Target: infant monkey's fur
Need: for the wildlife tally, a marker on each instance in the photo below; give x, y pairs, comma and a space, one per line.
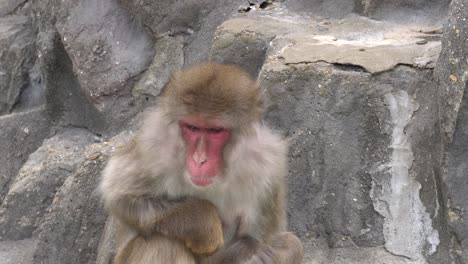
204, 179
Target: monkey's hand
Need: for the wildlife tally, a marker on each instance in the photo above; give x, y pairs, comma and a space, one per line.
247, 250
197, 224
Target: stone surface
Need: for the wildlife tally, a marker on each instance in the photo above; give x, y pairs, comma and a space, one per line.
14, 252
399, 11
66, 103
452, 76
352, 42
169, 58
16, 59
195, 20
9, 6
33, 189
106, 47
72, 228
373, 57
20, 135
75, 220
361, 130
375, 255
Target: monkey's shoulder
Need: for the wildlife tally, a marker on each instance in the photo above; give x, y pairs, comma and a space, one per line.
262, 153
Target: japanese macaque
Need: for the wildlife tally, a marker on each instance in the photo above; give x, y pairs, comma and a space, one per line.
204, 179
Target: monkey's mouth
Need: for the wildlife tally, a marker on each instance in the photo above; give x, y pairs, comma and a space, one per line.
202, 180
203, 174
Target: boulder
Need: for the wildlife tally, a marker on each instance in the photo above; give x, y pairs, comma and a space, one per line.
452, 76
107, 48
20, 135
361, 128
16, 59
32, 191
71, 229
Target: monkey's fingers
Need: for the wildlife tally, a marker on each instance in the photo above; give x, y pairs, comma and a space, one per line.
207, 246
204, 249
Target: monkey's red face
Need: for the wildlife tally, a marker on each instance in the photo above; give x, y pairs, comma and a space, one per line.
205, 143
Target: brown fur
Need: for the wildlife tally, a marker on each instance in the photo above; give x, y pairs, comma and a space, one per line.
216, 90
164, 218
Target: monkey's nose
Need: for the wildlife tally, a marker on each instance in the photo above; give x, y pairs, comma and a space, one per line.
199, 156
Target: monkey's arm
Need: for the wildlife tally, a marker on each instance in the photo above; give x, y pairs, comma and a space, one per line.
283, 248
131, 196
193, 221
270, 244
247, 250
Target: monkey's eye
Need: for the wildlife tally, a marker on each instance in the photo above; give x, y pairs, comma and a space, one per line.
215, 130
192, 128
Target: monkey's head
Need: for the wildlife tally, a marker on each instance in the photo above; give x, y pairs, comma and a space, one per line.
212, 104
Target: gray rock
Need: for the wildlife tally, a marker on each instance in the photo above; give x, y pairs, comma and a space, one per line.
407, 12
175, 17
9, 6
15, 252
169, 58
106, 47
376, 255
399, 11
33, 95
246, 49
66, 103
71, 230
374, 58
334, 8
20, 135
360, 142
16, 59
452, 73
245, 40
106, 247
33, 189
195, 20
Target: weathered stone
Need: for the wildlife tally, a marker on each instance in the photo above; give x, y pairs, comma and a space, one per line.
245, 41
169, 58
375, 255
9, 6
33, 95
360, 173
20, 135
350, 158
375, 57
407, 12
399, 11
106, 47
195, 20
71, 231
32, 191
334, 8
180, 16
66, 103
14, 252
107, 245
16, 59
452, 75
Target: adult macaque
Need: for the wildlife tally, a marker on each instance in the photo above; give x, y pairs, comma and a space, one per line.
204, 180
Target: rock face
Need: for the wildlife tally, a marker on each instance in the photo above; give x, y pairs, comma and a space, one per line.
452, 77
370, 95
16, 58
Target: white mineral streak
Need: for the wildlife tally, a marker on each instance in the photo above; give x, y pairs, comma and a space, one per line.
408, 227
